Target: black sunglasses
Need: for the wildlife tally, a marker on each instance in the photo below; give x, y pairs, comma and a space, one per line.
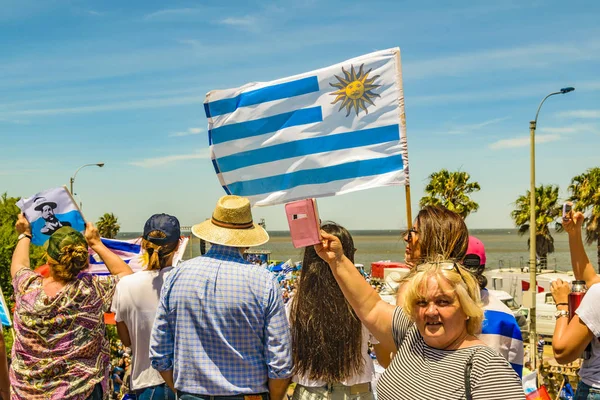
410, 232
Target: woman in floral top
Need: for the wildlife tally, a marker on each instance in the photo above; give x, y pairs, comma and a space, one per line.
60, 351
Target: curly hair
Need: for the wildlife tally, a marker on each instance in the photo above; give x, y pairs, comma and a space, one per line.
74, 259
156, 256
326, 333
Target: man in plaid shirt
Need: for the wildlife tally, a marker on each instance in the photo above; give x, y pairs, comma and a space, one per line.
221, 328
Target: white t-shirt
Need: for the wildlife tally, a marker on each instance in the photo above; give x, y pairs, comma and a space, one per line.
368, 372
135, 303
589, 313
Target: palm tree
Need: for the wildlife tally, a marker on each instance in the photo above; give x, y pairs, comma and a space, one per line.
585, 192
451, 190
547, 210
108, 226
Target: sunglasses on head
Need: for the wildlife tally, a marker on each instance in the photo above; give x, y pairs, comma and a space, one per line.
446, 266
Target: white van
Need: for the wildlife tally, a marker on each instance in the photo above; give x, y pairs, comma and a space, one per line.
545, 308
544, 312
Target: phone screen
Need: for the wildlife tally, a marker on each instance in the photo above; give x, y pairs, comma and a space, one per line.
567, 207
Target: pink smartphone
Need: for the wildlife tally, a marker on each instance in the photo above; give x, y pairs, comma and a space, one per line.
303, 219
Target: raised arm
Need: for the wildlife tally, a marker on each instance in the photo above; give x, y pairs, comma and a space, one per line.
20, 258
570, 336
375, 313
113, 262
582, 267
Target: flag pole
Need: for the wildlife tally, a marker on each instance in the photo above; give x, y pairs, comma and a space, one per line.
408, 207
403, 140
75, 202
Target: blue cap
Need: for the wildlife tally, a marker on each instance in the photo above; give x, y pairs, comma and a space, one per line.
165, 223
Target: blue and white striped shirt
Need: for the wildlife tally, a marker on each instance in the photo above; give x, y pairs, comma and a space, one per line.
221, 326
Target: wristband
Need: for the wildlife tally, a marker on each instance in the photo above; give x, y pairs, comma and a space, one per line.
562, 304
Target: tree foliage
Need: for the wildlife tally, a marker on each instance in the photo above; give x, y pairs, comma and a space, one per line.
451, 190
8, 241
547, 210
108, 226
585, 192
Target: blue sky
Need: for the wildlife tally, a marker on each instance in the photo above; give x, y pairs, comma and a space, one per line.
124, 82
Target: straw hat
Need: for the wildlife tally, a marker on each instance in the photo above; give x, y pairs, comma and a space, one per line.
231, 225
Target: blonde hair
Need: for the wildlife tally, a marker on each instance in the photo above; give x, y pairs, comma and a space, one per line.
463, 283
155, 256
74, 258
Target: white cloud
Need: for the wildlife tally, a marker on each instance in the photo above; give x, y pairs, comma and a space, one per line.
522, 141
189, 132
531, 56
157, 161
504, 93
245, 22
571, 129
126, 105
173, 12
463, 129
190, 42
584, 114
95, 13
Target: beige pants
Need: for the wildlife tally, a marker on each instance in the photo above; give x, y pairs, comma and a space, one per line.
333, 392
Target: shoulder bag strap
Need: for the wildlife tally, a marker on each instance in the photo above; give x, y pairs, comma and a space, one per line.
468, 369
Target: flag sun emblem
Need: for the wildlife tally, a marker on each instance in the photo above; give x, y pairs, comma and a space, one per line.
355, 90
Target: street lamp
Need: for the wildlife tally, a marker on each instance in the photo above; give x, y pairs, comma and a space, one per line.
78, 169
532, 235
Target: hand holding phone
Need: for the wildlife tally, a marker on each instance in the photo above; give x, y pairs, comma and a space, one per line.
303, 220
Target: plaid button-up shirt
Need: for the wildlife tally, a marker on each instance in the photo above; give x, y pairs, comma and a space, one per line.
221, 326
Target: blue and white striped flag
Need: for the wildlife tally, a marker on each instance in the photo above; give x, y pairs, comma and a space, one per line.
326, 132
288, 267
131, 252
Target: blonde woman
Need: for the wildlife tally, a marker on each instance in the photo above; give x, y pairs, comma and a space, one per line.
136, 301
60, 351
438, 354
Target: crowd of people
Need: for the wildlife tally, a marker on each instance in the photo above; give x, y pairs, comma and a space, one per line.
219, 327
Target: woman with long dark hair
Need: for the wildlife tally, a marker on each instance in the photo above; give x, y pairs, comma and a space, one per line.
329, 343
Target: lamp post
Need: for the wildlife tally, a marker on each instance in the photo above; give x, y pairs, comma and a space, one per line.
72, 181
532, 235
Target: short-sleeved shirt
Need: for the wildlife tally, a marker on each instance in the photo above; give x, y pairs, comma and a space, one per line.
60, 350
420, 372
135, 303
589, 314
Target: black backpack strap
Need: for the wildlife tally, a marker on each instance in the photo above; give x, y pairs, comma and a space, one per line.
468, 369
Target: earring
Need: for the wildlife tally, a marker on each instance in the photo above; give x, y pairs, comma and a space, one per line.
468, 318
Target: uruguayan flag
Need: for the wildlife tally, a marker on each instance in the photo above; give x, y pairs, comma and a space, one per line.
288, 267
50, 210
501, 332
131, 252
331, 131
